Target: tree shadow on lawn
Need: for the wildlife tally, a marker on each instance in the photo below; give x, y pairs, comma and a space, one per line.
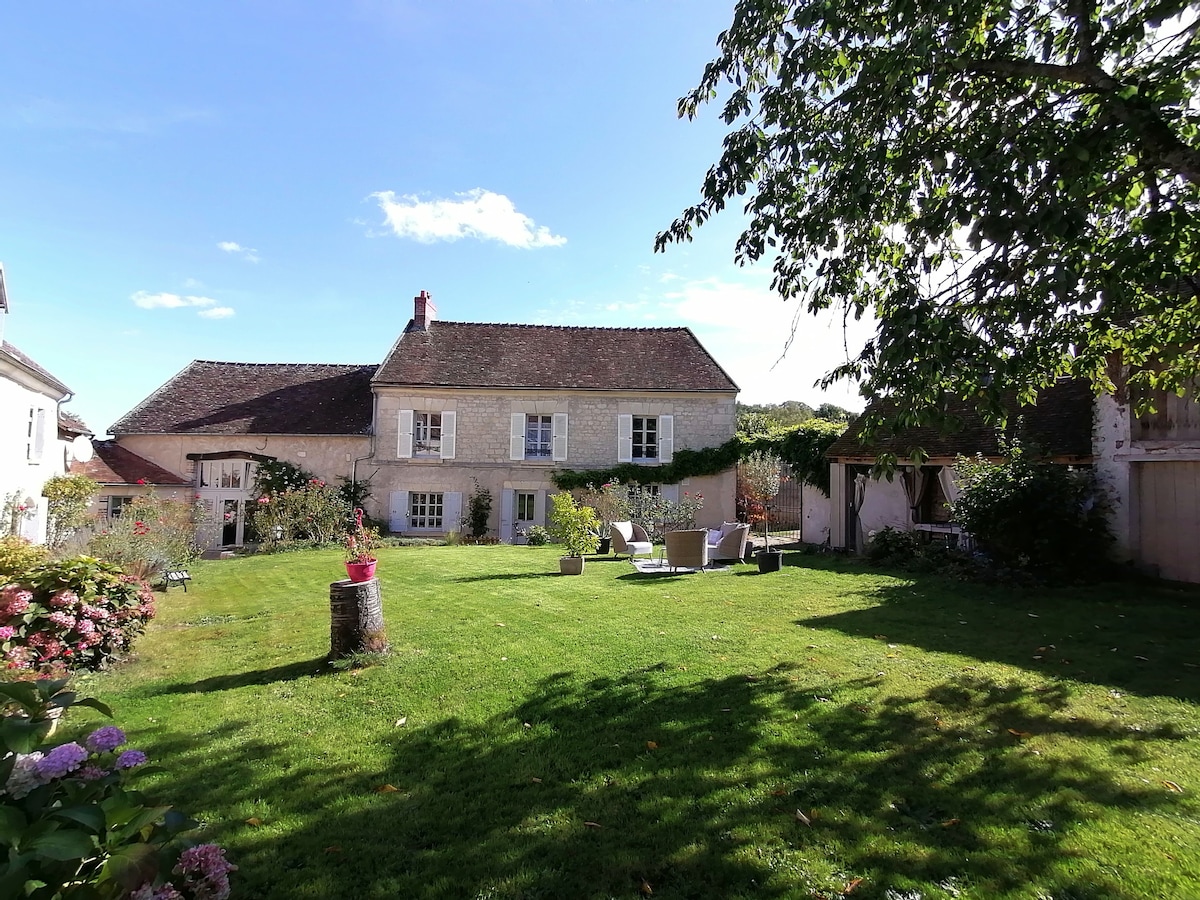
596, 788
287, 672
1141, 638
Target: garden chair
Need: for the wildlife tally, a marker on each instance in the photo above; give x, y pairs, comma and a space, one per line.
729, 541
631, 538
687, 549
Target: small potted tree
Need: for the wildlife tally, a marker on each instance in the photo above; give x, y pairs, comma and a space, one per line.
610, 505
761, 474
576, 528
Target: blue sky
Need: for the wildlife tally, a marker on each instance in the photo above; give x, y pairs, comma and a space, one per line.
275, 181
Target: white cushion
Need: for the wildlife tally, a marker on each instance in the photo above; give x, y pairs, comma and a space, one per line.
714, 536
624, 529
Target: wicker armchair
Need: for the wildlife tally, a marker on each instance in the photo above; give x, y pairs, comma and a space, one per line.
631, 538
687, 549
732, 543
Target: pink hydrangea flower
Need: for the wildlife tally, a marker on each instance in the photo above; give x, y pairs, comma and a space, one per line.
206, 870
64, 600
96, 613
63, 620
6, 631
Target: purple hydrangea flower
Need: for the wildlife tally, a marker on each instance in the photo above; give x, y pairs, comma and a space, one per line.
131, 758
102, 740
149, 892
91, 772
61, 760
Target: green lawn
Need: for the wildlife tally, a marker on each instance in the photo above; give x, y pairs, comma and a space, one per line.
717, 735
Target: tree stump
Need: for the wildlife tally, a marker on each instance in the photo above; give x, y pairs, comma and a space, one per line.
356, 618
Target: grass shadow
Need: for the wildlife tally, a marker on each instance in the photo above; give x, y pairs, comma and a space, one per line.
288, 672
618, 787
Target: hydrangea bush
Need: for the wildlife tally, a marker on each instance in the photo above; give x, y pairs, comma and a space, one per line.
77, 613
71, 822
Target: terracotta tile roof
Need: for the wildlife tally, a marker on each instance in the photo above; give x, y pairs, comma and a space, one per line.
470, 354
256, 398
70, 425
23, 360
1059, 426
114, 464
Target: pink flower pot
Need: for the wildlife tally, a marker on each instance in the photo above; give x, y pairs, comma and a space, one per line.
361, 571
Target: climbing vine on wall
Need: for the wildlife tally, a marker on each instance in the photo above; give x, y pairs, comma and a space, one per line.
802, 447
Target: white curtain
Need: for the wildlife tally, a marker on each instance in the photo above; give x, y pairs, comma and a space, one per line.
856, 503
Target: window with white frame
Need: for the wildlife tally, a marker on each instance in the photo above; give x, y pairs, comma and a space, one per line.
427, 434
116, 505
645, 437
539, 436
426, 510
231, 474
526, 506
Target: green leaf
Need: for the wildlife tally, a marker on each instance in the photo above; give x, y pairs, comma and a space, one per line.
64, 844
12, 825
131, 865
95, 704
90, 816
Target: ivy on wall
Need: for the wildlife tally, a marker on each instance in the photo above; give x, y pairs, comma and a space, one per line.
802, 447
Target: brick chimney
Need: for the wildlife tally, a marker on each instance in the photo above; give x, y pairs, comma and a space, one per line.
424, 312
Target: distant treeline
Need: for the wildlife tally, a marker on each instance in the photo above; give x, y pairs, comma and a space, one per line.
760, 417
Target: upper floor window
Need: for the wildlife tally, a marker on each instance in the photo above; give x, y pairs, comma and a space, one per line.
645, 438
539, 432
537, 436
427, 434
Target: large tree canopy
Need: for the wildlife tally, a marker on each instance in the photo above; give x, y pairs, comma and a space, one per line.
1011, 187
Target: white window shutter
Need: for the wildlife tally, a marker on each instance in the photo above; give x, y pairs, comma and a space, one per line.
451, 508
405, 442
666, 438
516, 437
506, 516
539, 508
448, 424
39, 440
560, 437
625, 438
398, 512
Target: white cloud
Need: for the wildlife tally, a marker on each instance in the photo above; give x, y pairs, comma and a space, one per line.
205, 306
249, 254
483, 215
146, 300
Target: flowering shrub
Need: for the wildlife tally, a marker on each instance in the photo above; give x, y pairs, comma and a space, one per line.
314, 511
537, 536
77, 613
617, 502
72, 823
18, 554
152, 535
69, 497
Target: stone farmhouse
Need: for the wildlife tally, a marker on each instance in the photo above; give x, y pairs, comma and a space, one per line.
454, 407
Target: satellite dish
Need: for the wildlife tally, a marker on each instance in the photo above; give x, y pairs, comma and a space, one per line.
82, 449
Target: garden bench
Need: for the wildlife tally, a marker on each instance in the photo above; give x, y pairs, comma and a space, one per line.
178, 577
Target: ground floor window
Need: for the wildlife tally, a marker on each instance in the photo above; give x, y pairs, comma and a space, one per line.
116, 505
525, 506
426, 510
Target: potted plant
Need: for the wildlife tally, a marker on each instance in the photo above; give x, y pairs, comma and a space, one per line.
361, 544
576, 528
761, 474
608, 501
